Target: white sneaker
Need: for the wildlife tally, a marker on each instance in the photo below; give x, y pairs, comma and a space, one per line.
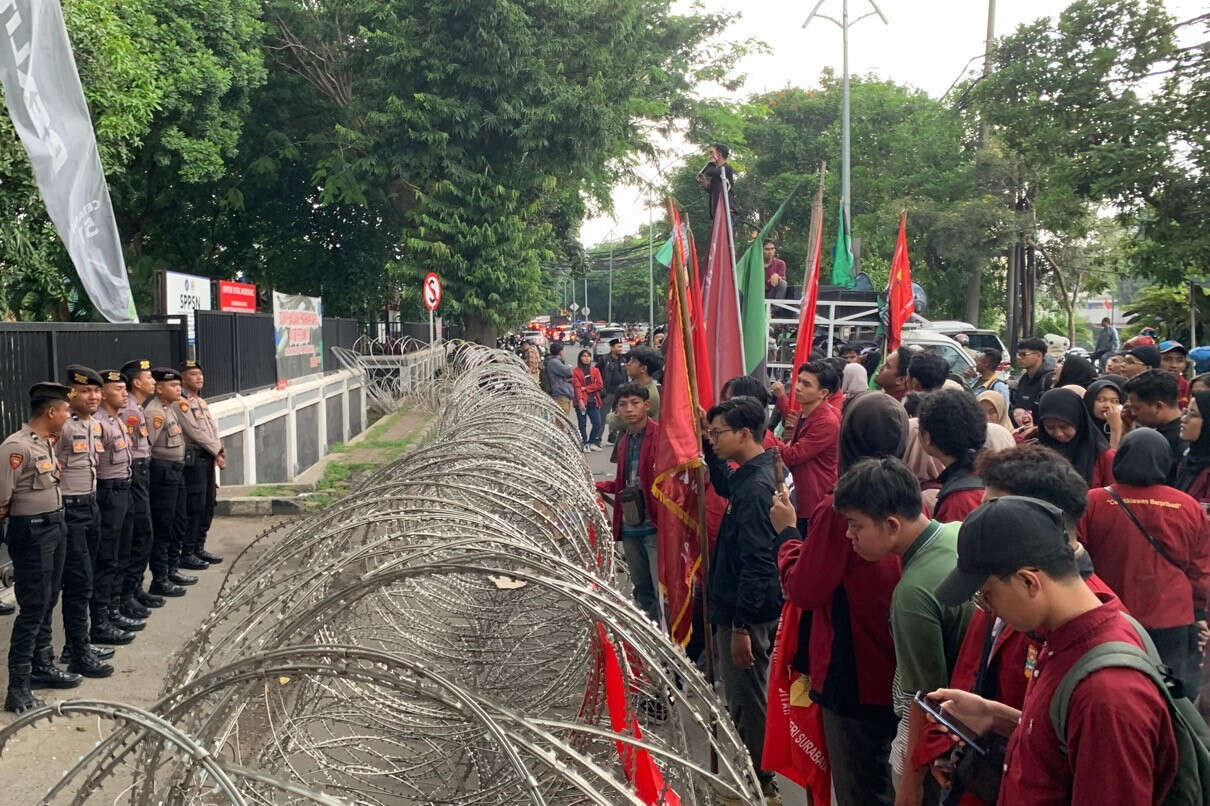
594, 446
587, 449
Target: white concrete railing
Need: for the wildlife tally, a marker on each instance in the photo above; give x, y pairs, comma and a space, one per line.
274, 435
389, 378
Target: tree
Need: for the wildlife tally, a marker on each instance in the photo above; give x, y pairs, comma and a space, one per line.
1081, 265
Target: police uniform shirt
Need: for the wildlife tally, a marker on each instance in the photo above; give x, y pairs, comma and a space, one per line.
29, 477
114, 461
164, 432
79, 449
194, 423
134, 421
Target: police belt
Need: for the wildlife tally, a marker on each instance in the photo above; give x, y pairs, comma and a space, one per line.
54, 516
79, 500
114, 484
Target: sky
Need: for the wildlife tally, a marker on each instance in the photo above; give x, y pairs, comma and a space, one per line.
927, 44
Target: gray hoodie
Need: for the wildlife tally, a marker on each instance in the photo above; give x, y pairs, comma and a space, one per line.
558, 376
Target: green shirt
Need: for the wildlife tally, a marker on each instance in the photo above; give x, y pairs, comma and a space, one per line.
927, 634
614, 420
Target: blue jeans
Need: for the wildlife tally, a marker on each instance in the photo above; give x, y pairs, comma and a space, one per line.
591, 413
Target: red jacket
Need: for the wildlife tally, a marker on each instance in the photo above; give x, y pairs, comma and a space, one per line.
646, 475
1102, 471
1200, 489
1157, 593
813, 570
812, 457
588, 388
958, 504
1120, 744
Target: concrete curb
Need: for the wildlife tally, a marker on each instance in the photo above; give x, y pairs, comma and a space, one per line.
257, 506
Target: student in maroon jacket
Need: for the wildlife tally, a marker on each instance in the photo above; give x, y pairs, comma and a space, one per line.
1163, 580
636, 471
811, 455
1120, 745
952, 430
851, 653
1068, 428
1194, 475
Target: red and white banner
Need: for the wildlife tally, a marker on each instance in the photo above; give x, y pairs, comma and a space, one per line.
237, 297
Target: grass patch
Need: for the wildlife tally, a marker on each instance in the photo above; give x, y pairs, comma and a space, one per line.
273, 491
337, 474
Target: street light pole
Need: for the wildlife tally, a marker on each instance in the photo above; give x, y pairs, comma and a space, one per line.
650, 269
610, 316
845, 24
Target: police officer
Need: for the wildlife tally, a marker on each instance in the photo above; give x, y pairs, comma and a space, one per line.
167, 484
79, 449
135, 548
204, 450
113, 499
32, 509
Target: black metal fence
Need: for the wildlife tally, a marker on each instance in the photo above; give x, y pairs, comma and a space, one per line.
38, 351
236, 350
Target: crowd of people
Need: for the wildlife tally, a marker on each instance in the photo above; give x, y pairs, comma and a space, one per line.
112, 475
956, 546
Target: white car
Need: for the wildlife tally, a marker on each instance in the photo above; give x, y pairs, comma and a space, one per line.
537, 338
959, 359
607, 335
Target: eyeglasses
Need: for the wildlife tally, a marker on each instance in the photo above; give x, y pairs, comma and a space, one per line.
1027, 352
714, 433
980, 601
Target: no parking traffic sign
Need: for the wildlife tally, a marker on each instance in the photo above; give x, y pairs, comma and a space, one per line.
432, 291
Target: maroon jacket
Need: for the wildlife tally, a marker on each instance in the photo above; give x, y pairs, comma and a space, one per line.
812, 571
646, 474
812, 457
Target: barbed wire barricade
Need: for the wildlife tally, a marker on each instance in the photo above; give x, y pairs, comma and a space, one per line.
454, 631
395, 369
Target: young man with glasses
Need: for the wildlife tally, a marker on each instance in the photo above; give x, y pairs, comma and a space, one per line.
1031, 356
1138, 360
743, 592
1118, 745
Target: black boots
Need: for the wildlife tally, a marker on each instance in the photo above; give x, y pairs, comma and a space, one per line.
213, 559
84, 661
130, 608
163, 587
7, 609
20, 699
192, 562
148, 599
109, 634
123, 623
177, 578
44, 673
101, 652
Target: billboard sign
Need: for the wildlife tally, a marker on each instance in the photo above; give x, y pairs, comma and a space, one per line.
237, 297
297, 335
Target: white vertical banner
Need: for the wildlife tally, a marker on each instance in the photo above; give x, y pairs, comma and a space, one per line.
44, 97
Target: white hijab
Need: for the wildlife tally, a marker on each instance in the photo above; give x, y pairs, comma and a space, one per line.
854, 379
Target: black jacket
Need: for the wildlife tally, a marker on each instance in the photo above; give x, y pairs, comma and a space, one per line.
1028, 390
613, 372
744, 589
715, 188
1178, 446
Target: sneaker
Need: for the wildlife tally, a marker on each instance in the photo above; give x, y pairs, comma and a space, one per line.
771, 793
595, 446
587, 449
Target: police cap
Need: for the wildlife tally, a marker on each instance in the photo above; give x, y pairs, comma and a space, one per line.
132, 368
112, 376
83, 376
162, 374
48, 390
190, 363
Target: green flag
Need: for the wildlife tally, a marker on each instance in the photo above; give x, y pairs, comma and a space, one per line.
664, 256
842, 256
750, 272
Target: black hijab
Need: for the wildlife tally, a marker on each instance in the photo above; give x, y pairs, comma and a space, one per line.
874, 424
1075, 370
1094, 389
1143, 458
1198, 457
1088, 443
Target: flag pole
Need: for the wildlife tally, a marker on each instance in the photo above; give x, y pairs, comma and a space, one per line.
679, 281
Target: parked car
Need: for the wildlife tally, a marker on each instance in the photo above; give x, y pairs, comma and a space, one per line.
607, 335
979, 338
959, 359
537, 338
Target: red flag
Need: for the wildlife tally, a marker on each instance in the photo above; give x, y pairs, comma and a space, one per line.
901, 302
794, 740
810, 293
720, 301
697, 320
677, 456
641, 771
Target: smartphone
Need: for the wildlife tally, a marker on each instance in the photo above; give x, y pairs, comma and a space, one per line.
955, 726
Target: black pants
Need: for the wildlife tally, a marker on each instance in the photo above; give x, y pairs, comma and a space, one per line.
1178, 649
36, 546
199, 502
113, 499
168, 518
135, 549
858, 752
83, 533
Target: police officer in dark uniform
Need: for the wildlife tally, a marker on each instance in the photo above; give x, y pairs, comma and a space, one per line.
113, 499
135, 548
32, 509
169, 518
78, 449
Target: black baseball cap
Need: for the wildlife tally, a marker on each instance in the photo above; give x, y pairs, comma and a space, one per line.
1146, 353
82, 376
998, 538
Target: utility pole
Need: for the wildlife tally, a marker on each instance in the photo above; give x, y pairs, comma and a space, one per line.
844, 23
974, 284
610, 315
650, 267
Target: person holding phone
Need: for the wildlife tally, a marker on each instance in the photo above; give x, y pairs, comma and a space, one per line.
1120, 744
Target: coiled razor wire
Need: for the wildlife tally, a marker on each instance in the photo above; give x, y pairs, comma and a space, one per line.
440, 636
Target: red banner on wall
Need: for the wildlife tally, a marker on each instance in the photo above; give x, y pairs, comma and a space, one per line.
238, 297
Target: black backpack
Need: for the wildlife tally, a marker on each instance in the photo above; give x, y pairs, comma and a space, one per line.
1192, 782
